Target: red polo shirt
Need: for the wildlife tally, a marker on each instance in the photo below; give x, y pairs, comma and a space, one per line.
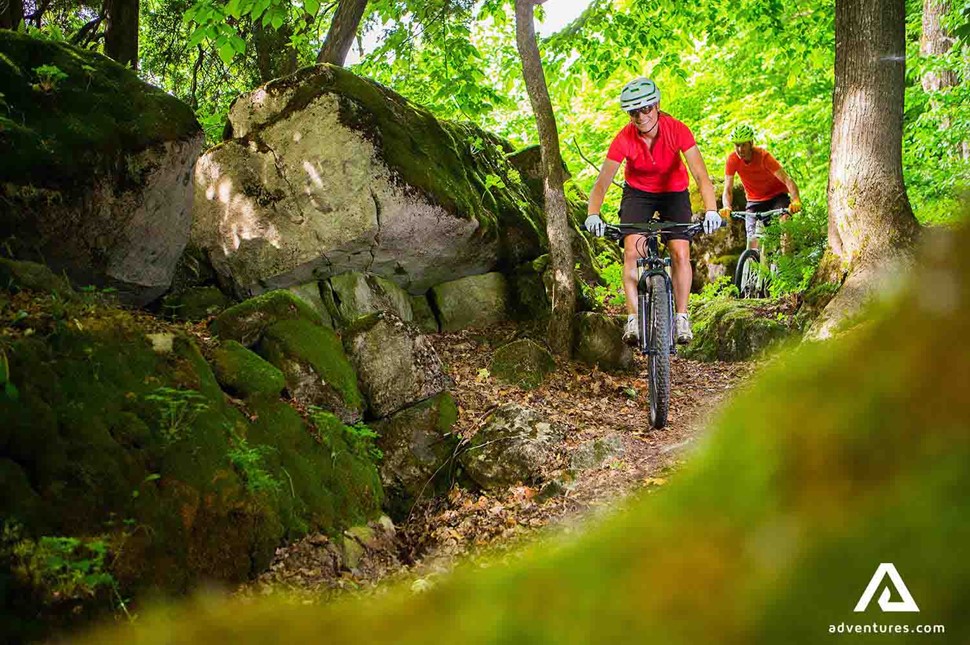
657, 169
757, 176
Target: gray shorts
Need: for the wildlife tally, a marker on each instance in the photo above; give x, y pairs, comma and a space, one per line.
751, 228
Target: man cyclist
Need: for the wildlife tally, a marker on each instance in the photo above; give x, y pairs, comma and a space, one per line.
766, 185
656, 182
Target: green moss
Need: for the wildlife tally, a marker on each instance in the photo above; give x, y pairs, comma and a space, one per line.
17, 276
194, 304
729, 329
243, 373
86, 123
294, 345
246, 321
523, 363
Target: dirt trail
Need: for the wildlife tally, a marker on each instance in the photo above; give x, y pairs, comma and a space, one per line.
590, 404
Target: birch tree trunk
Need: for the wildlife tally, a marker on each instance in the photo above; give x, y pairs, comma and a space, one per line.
557, 219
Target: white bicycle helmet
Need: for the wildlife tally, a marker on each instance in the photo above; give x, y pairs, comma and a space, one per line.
638, 93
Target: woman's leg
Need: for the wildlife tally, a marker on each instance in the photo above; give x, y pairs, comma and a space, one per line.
682, 273
630, 256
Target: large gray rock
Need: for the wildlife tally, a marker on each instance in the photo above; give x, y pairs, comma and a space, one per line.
356, 294
516, 445
395, 364
326, 172
418, 448
599, 341
475, 301
96, 168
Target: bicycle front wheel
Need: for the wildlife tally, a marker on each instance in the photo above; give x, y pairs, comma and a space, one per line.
655, 321
747, 277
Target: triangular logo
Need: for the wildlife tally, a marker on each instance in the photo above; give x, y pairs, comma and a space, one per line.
887, 569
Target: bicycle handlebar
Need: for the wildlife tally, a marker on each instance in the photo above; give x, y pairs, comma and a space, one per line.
618, 231
762, 216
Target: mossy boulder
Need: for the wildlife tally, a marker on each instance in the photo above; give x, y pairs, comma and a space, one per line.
31, 276
596, 453
598, 340
418, 448
516, 445
116, 440
95, 165
243, 373
247, 321
321, 473
329, 172
730, 329
195, 303
310, 293
523, 362
475, 301
354, 294
396, 365
314, 365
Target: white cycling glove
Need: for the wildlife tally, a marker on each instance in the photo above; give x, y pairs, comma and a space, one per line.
595, 225
712, 221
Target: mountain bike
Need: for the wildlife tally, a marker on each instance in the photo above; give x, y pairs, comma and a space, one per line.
751, 278
655, 307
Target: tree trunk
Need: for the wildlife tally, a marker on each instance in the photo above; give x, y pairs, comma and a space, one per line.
121, 37
557, 219
11, 13
869, 213
343, 29
274, 56
935, 42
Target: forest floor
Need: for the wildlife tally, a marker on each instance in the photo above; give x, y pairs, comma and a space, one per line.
588, 403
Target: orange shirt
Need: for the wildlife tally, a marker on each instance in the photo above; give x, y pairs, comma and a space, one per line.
758, 176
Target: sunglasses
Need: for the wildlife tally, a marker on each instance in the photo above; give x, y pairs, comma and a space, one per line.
643, 110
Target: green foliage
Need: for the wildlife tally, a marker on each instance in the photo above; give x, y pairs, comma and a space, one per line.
249, 461
723, 287
612, 272
48, 77
176, 409
359, 437
60, 568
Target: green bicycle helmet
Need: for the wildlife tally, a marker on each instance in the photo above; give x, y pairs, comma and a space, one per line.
638, 93
742, 133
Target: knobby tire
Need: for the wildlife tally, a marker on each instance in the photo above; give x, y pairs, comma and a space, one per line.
653, 309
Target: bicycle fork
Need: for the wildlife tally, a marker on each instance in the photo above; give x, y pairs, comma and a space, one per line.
647, 267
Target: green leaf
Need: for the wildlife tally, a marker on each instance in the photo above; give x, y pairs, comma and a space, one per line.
226, 53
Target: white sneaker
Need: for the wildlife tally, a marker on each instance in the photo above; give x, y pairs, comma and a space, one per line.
682, 331
631, 332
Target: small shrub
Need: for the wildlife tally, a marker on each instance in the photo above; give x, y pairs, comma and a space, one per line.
48, 78
176, 410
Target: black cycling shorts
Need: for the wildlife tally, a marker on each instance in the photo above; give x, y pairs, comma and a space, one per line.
776, 202
639, 207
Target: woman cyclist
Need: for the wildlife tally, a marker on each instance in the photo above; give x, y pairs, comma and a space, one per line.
652, 144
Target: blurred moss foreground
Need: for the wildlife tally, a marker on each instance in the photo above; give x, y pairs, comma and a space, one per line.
842, 456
